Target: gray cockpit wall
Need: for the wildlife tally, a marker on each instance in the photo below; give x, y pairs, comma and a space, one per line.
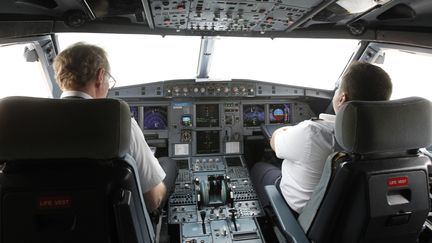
404, 22
381, 20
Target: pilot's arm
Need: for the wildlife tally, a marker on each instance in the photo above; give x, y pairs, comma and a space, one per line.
153, 198
290, 142
150, 172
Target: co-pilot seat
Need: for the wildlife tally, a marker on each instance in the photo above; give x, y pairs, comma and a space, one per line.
377, 189
66, 175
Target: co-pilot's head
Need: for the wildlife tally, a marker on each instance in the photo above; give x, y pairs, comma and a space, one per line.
84, 67
362, 81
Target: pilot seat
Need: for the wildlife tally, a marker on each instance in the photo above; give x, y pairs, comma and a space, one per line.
66, 175
376, 189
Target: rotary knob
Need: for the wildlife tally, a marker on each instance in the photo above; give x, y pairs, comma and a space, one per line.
195, 90
185, 90
226, 90
202, 90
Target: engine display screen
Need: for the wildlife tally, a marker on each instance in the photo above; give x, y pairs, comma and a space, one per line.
279, 113
155, 117
253, 115
134, 112
233, 161
208, 142
183, 164
207, 115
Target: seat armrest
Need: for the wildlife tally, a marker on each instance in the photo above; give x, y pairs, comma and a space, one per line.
288, 223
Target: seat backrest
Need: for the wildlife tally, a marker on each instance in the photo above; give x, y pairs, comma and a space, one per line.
379, 191
66, 174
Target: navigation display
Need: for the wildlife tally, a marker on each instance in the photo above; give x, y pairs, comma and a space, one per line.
207, 115
207, 142
155, 117
279, 113
134, 113
253, 115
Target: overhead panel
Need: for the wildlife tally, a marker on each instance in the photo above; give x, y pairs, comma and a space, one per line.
233, 15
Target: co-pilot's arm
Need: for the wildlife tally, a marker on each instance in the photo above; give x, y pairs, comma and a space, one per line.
273, 137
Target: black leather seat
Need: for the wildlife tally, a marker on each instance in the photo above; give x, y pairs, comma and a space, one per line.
377, 189
66, 174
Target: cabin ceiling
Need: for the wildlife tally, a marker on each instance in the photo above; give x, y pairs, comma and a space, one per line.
272, 18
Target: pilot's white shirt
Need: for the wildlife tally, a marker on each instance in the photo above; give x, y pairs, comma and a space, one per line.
149, 169
304, 148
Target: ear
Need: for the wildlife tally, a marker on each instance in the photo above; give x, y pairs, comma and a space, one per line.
100, 77
343, 97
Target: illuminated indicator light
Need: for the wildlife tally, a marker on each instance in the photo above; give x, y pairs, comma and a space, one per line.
269, 20
397, 181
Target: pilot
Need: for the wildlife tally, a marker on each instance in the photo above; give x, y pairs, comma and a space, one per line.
305, 147
83, 71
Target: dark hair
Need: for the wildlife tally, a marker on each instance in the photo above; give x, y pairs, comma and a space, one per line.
364, 81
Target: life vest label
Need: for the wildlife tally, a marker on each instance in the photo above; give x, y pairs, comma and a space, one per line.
397, 181
54, 202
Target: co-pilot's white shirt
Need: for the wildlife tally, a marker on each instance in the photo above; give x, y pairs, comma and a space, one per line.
304, 148
149, 169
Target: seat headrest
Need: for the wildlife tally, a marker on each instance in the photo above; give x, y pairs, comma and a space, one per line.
366, 127
39, 128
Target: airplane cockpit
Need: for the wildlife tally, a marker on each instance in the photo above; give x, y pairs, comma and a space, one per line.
214, 131
209, 81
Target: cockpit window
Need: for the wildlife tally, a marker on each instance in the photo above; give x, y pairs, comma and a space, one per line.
315, 63
137, 59
21, 77
410, 72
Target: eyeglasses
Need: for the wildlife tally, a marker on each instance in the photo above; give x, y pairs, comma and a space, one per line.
111, 81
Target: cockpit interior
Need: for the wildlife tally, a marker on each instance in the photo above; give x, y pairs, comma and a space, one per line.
208, 82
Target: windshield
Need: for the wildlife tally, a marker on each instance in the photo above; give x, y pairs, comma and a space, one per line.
137, 59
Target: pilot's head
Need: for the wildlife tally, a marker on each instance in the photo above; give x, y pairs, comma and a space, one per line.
83, 67
362, 81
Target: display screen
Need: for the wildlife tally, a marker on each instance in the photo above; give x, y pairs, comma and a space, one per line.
233, 161
207, 115
134, 112
208, 142
253, 115
279, 113
186, 120
183, 164
155, 117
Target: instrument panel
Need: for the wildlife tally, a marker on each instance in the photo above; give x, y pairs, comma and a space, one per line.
205, 128
192, 128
